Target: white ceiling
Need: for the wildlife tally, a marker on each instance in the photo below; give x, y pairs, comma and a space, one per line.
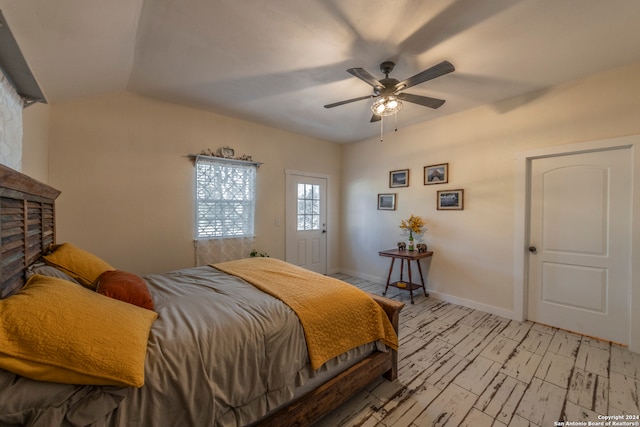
277, 62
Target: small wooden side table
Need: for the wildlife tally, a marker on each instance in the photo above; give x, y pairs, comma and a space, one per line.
409, 256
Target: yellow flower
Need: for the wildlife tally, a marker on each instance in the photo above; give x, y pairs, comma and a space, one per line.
414, 224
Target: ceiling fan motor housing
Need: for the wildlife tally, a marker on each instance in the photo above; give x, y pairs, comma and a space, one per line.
387, 67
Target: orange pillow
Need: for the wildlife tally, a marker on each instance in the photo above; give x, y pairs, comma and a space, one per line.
125, 287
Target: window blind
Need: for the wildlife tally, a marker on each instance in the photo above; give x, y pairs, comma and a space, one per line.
225, 198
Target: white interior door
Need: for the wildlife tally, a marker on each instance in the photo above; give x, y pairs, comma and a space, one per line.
580, 238
306, 221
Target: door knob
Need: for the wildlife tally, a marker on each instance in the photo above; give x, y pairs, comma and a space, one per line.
533, 249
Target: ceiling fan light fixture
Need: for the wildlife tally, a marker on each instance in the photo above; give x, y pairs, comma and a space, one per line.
386, 105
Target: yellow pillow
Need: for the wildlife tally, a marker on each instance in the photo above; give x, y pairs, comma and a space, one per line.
83, 266
57, 331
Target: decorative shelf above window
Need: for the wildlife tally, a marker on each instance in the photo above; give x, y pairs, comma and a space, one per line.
203, 157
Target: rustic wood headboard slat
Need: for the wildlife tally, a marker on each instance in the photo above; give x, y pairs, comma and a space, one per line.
27, 225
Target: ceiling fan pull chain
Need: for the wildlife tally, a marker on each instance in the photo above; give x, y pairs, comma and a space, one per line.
396, 118
381, 127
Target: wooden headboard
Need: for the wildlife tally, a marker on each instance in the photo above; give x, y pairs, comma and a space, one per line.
27, 226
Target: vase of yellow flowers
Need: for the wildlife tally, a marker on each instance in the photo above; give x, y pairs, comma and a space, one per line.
414, 224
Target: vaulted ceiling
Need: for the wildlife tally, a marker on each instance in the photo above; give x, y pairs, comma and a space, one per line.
277, 62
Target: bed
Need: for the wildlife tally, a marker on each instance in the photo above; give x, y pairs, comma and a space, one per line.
197, 361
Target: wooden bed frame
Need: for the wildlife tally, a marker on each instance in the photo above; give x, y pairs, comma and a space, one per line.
27, 229
27, 225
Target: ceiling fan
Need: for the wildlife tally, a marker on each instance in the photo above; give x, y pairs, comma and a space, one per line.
388, 91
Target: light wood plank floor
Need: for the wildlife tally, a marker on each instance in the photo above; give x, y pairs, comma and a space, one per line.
463, 367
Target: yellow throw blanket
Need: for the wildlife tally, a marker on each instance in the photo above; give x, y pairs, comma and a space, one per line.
336, 316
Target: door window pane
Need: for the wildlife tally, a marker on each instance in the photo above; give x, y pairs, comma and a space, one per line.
308, 207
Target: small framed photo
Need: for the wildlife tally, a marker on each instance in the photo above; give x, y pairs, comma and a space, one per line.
399, 178
436, 174
451, 200
387, 202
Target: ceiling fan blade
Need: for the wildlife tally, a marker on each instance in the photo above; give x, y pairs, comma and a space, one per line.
422, 100
438, 70
335, 104
375, 118
366, 77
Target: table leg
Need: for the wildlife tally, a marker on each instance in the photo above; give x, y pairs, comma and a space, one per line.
410, 284
422, 279
389, 277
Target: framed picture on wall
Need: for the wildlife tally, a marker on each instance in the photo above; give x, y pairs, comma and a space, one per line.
436, 174
399, 178
387, 202
451, 200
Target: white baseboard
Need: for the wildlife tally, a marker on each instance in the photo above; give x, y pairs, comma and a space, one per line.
374, 279
334, 271
508, 314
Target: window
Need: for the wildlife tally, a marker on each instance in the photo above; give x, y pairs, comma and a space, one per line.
308, 207
225, 198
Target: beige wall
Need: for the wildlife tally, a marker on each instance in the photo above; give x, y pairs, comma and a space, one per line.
474, 248
126, 184
35, 141
118, 160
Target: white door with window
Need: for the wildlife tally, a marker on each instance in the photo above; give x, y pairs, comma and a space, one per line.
306, 221
580, 240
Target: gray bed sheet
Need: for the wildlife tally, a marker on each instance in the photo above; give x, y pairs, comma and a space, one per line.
221, 353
